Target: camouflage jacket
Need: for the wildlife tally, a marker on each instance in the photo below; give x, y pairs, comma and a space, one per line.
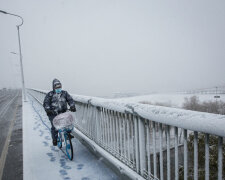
58, 102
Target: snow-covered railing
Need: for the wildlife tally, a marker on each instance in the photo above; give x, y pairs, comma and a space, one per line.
155, 142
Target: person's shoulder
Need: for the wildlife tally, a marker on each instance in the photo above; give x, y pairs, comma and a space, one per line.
64, 92
50, 93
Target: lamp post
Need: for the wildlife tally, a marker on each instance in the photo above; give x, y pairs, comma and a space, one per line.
21, 63
16, 65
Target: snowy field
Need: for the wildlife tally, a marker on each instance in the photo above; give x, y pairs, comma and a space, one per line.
174, 100
43, 161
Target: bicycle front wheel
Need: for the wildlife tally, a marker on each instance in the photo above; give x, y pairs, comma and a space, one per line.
69, 147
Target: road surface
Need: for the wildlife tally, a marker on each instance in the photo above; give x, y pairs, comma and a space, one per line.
11, 159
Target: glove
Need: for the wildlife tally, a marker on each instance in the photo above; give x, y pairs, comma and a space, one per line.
73, 108
50, 112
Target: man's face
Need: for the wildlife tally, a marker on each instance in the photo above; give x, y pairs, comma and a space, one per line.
58, 88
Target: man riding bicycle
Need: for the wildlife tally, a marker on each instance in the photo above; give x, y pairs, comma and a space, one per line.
55, 103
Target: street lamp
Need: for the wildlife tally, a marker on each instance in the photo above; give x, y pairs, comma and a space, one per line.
21, 63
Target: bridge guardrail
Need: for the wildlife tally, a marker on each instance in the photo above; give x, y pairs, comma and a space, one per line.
151, 140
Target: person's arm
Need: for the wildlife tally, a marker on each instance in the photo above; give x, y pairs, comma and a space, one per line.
47, 104
71, 102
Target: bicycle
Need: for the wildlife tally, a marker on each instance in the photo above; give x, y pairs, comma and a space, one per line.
64, 124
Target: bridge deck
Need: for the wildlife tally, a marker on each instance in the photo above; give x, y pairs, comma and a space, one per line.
44, 161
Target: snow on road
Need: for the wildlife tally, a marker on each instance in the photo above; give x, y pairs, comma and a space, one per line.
43, 161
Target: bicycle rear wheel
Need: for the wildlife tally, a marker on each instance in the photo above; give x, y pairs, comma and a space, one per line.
69, 146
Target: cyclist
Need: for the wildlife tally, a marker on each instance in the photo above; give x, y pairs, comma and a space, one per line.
55, 103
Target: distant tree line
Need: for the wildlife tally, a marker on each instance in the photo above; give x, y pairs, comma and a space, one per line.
193, 103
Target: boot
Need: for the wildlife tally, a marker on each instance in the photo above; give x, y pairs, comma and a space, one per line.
54, 142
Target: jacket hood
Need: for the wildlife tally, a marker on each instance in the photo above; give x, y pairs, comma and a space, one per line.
54, 82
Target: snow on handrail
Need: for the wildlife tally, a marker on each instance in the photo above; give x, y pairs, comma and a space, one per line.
186, 119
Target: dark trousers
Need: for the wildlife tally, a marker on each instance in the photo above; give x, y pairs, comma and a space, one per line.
54, 132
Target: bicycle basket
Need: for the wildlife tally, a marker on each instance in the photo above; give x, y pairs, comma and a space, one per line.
64, 120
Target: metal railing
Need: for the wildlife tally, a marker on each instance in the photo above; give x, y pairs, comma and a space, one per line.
154, 142
213, 90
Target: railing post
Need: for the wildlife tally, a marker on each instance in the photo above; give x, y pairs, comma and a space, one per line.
168, 151
137, 158
142, 157
110, 131
128, 138
104, 128
220, 158
124, 137
113, 131
107, 128
176, 154
133, 140
161, 151
121, 136
148, 148
117, 132
97, 124
206, 156
195, 155
154, 150
185, 155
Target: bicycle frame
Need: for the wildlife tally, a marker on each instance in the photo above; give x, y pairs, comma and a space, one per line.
64, 138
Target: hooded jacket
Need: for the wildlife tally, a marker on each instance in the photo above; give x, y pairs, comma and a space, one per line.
57, 101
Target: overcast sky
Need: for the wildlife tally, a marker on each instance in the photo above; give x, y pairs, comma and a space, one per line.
99, 47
